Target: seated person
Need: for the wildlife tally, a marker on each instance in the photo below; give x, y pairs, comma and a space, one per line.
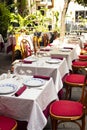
56, 40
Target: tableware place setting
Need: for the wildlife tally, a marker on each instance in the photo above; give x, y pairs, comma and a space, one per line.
31, 82
68, 48
65, 49
29, 59
15, 85
53, 60
34, 82
7, 85
10, 85
7, 88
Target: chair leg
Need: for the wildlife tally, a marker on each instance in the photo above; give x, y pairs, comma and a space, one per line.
54, 124
68, 92
83, 123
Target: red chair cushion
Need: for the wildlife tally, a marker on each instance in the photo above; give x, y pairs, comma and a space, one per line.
66, 108
85, 45
75, 78
7, 123
85, 49
79, 63
83, 57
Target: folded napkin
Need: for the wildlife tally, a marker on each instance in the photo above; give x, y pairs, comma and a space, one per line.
44, 49
42, 77
68, 48
20, 91
27, 61
57, 57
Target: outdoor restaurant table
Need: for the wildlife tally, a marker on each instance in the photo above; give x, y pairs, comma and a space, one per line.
29, 106
41, 67
69, 55
69, 51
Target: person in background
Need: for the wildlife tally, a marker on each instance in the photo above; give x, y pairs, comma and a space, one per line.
56, 40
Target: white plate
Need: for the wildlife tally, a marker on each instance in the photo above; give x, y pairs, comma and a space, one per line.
53, 61
34, 82
65, 50
7, 88
30, 59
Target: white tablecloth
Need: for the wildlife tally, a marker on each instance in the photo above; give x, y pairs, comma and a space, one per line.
40, 67
30, 104
69, 55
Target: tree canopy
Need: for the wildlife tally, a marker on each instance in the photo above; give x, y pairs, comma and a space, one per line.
64, 11
82, 2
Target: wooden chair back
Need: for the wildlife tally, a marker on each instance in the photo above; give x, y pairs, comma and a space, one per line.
25, 48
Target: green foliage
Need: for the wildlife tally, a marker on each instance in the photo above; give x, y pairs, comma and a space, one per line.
4, 19
13, 22
21, 21
82, 2
36, 20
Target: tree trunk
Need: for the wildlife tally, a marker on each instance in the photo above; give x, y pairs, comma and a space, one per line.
63, 15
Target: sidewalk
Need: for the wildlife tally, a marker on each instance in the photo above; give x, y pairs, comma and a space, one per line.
5, 62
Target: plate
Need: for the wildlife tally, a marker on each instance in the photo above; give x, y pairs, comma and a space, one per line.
7, 88
53, 61
34, 82
32, 59
65, 50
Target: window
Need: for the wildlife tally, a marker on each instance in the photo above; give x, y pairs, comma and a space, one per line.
82, 14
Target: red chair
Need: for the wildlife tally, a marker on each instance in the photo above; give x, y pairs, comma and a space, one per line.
85, 45
84, 50
25, 48
72, 80
78, 65
69, 111
83, 57
7, 123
